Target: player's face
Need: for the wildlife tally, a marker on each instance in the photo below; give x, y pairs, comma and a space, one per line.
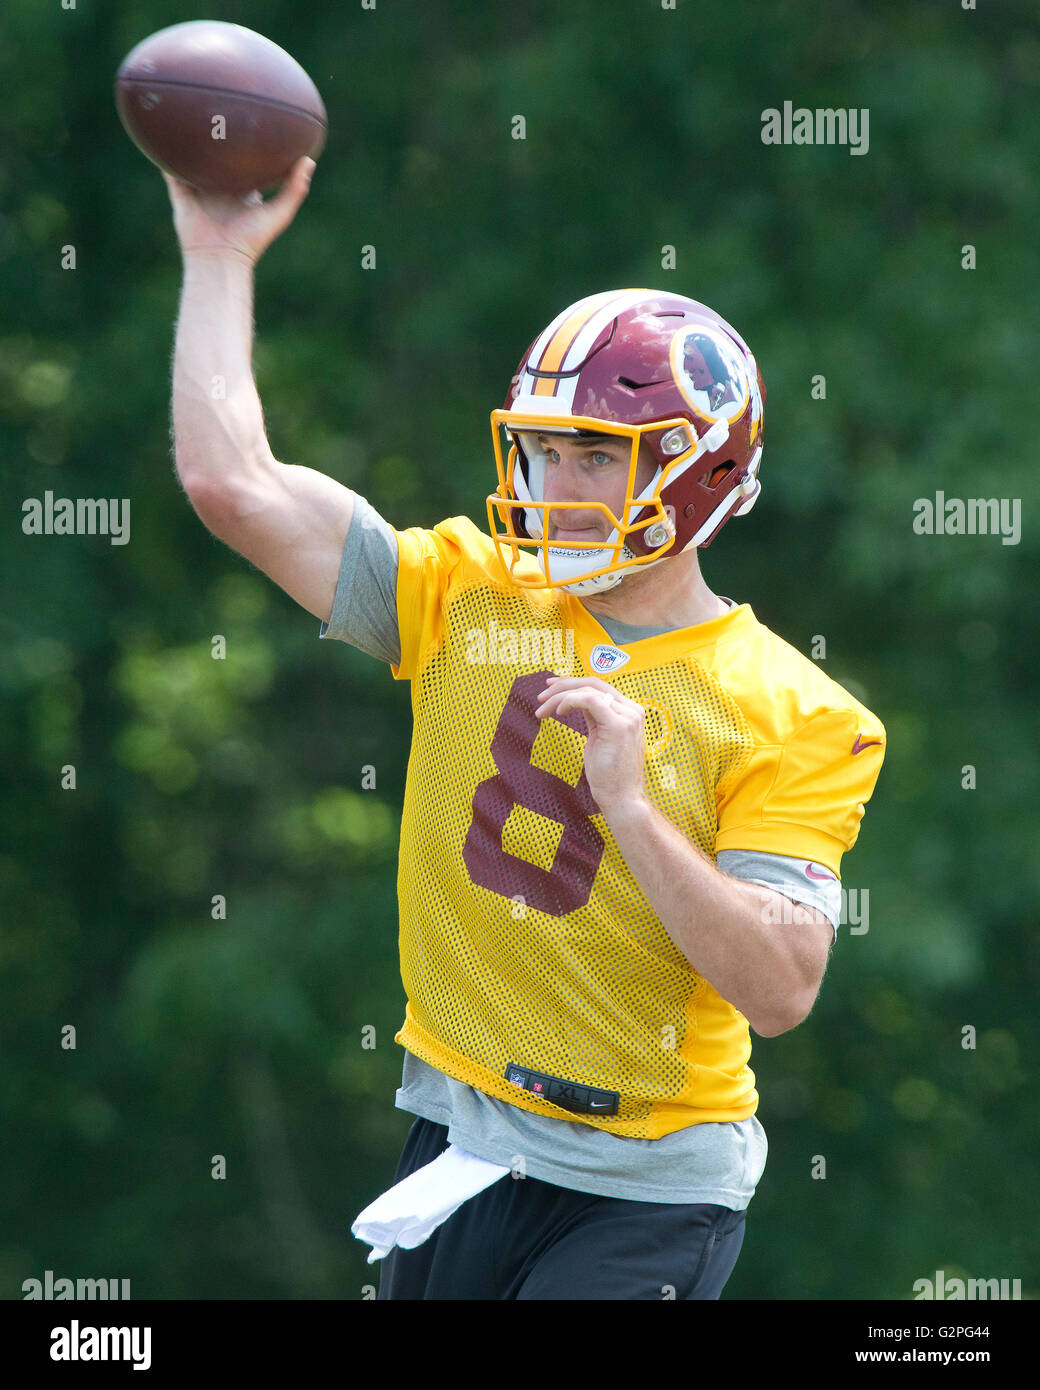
589, 470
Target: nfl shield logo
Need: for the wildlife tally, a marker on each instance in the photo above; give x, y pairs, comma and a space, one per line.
606, 658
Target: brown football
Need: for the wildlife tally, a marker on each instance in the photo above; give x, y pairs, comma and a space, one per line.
219, 106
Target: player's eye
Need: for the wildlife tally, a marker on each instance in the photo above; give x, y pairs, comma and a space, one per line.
601, 457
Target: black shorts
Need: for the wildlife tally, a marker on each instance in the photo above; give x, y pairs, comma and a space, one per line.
523, 1238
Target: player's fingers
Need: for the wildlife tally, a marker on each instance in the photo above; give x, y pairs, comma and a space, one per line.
295, 189
557, 688
176, 189
599, 705
570, 682
284, 206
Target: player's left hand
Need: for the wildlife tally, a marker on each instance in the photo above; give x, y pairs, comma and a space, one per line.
615, 751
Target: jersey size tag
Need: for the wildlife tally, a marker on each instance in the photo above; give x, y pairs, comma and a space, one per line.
569, 1095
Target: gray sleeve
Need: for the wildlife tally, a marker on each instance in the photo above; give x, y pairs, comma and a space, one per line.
364, 610
798, 879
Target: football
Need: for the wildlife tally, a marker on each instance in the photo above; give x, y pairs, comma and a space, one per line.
219, 106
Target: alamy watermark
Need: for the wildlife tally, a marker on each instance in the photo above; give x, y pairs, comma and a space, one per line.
523, 646
942, 1287
77, 516
80, 1342
977, 516
820, 126
855, 910
78, 1289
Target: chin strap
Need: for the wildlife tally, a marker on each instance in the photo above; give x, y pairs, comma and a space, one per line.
580, 562
599, 585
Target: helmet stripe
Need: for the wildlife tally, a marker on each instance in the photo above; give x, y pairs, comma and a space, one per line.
588, 305
579, 349
567, 340
557, 346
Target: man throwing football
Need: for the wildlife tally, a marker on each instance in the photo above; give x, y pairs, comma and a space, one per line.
614, 862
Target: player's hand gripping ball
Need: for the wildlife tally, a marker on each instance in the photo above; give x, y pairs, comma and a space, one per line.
219, 107
615, 749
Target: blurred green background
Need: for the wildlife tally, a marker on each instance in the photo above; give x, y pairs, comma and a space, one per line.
243, 777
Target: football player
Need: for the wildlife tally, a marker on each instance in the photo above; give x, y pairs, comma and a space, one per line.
627, 800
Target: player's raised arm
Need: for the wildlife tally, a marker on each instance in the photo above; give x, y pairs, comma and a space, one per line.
291, 522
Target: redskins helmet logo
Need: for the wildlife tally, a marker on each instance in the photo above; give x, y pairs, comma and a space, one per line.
710, 373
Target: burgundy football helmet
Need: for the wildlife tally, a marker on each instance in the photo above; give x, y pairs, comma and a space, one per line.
660, 370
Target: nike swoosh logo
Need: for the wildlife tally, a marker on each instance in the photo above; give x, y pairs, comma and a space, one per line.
828, 878
598, 1104
858, 747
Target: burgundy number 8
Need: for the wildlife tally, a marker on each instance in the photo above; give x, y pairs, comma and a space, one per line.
568, 884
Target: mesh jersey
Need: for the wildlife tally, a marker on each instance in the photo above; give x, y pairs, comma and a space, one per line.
524, 938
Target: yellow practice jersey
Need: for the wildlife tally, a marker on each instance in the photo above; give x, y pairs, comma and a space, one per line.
528, 950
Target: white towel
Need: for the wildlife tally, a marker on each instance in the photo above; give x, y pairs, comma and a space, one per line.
409, 1212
